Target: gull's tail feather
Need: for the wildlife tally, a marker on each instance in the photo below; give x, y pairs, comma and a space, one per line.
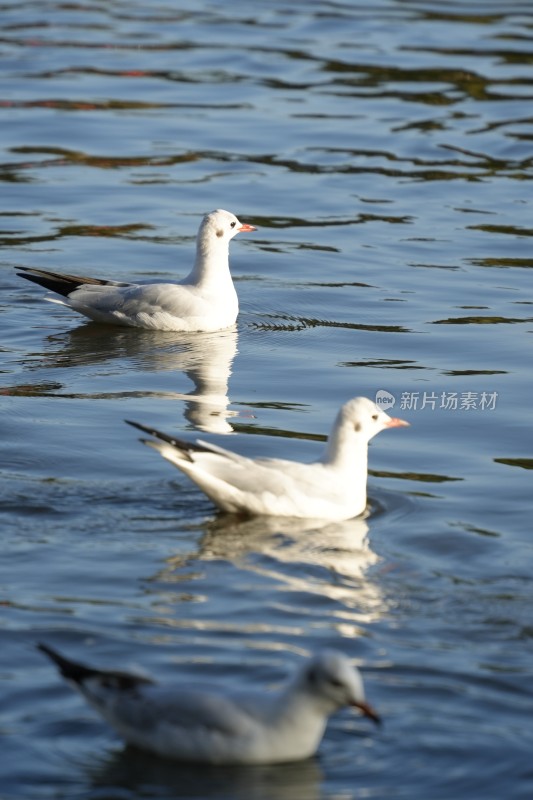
60, 283
71, 670
57, 282
182, 445
79, 673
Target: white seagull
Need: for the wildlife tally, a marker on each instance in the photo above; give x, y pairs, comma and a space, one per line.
205, 300
333, 487
215, 727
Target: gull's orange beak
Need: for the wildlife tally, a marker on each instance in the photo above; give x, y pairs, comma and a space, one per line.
367, 711
395, 422
245, 228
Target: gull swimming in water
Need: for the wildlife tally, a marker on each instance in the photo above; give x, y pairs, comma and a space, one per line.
205, 300
211, 726
332, 487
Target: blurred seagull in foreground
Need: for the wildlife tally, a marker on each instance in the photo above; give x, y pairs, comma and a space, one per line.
215, 727
333, 487
203, 301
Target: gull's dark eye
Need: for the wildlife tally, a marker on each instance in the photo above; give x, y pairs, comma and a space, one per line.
335, 682
375, 417
233, 224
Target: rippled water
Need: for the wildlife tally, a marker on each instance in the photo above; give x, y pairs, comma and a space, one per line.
384, 150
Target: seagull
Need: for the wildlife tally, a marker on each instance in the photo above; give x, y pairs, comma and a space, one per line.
203, 301
333, 487
210, 726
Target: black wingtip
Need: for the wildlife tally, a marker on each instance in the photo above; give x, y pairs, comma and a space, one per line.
68, 669
180, 444
79, 673
139, 427
45, 649
50, 652
165, 437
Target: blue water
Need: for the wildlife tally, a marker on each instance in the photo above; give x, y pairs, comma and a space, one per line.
384, 150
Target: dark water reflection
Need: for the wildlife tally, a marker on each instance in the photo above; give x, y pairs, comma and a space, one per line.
384, 152
133, 772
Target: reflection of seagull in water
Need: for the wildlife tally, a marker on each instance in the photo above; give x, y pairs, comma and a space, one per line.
217, 727
316, 557
211, 357
205, 358
132, 770
340, 547
203, 301
333, 487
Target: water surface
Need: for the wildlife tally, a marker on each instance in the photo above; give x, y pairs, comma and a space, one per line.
384, 152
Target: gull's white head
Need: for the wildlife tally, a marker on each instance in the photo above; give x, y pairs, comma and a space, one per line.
223, 225
363, 417
334, 683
